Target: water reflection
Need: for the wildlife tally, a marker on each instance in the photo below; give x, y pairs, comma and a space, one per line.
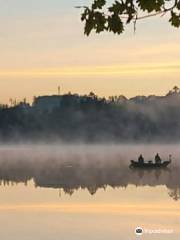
71, 175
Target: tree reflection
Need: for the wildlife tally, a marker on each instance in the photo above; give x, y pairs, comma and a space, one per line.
70, 176
175, 193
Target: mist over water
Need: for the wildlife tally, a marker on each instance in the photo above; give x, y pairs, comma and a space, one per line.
86, 153
91, 167
39, 150
83, 191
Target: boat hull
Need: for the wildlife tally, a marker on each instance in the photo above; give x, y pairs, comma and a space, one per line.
148, 165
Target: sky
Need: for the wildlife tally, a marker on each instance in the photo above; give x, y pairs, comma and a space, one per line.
42, 46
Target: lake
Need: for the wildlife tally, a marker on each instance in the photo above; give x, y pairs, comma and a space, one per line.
74, 192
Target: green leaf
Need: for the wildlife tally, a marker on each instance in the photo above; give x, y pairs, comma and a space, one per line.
175, 19
100, 22
115, 24
150, 5
117, 8
85, 14
98, 4
90, 24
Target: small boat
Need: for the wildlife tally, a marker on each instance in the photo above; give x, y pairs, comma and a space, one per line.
149, 164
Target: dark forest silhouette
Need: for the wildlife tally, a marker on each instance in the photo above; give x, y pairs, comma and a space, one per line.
89, 118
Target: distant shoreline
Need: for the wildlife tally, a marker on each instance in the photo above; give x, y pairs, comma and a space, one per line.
91, 119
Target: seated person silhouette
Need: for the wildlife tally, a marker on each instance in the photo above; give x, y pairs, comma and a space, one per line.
157, 159
141, 159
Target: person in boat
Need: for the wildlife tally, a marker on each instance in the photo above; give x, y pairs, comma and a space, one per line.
141, 159
157, 159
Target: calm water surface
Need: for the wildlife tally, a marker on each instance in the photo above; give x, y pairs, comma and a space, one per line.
86, 192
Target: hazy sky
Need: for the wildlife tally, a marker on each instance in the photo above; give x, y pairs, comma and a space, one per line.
42, 46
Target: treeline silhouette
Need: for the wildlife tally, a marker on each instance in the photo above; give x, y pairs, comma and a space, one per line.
71, 117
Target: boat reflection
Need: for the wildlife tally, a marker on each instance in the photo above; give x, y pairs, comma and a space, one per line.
71, 176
